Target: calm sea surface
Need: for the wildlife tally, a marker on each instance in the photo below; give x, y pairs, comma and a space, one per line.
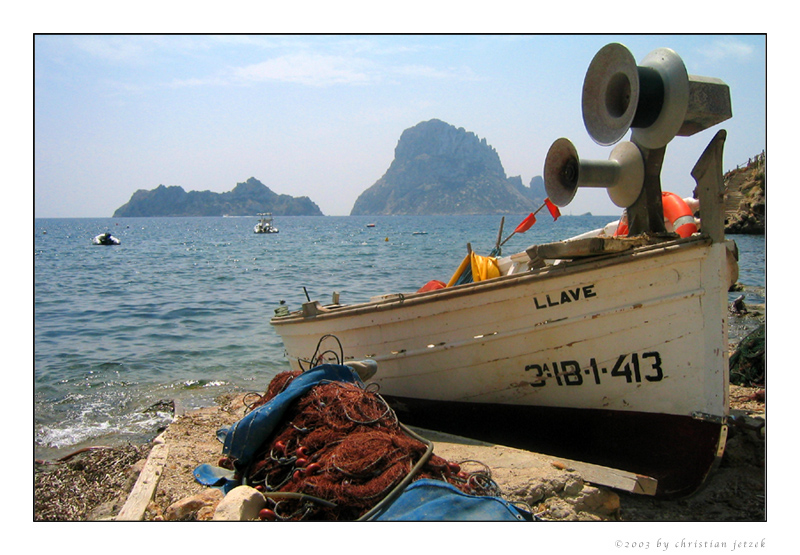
180, 310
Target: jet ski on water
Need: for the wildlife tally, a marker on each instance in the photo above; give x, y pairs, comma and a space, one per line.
105, 239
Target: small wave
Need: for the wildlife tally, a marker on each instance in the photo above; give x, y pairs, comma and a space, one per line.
197, 384
62, 435
185, 313
98, 423
67, 436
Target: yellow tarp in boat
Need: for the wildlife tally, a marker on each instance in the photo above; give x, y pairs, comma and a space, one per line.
483, 267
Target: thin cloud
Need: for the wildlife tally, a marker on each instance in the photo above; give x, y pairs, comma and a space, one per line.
307, 69
425, 71
728, 49
198, 82
111, 48
353, 60
321, 70
149, 50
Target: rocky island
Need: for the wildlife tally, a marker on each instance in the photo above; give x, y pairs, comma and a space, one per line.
246, 199
441, 169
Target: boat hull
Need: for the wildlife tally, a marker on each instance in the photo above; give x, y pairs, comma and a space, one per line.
678, 451
640, 335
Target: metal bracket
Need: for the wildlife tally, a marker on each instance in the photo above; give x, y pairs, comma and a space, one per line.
710, 418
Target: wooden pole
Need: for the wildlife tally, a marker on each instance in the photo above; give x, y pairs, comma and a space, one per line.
513, 232
500, 233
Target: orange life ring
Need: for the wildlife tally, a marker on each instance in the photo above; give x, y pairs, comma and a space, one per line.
678, 213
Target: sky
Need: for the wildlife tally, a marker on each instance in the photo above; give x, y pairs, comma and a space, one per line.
320, 115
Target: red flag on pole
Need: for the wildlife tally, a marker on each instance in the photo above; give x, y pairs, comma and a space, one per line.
525, 224
554, 211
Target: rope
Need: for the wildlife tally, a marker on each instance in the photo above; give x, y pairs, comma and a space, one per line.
342, 454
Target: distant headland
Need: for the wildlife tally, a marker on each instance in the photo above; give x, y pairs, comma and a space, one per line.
246, 199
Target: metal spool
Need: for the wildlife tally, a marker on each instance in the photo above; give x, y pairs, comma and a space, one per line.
652, 98
622, 174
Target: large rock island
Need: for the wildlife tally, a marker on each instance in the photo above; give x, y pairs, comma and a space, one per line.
439, 169
246, 199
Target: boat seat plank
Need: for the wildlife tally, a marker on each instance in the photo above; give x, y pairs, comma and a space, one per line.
145, 486
613, 477
502, 459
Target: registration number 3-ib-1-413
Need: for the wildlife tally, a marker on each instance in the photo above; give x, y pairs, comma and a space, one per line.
633, 367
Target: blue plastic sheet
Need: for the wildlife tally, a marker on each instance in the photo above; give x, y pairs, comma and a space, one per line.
432, 500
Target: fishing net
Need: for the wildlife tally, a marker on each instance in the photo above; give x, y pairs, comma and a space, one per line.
747, 364
340, 451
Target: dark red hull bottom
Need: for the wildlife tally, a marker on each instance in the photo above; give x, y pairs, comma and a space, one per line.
679, 451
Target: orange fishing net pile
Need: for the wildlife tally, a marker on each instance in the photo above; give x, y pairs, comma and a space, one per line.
342, 449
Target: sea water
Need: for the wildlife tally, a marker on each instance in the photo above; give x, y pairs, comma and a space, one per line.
180, 309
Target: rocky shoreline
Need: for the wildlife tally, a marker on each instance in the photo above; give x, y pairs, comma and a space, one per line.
745, 197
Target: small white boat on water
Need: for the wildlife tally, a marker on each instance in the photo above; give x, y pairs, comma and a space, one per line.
105, 239
264, 225
607, 349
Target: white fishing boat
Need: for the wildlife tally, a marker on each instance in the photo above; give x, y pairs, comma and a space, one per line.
265, 225
610, 350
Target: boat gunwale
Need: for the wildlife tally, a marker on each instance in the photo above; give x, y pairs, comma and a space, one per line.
397, 300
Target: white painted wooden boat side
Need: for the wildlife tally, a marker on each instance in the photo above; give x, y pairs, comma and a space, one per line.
659, 312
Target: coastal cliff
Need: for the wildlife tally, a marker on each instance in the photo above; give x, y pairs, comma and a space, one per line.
246, 199
745, 197
441, 169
